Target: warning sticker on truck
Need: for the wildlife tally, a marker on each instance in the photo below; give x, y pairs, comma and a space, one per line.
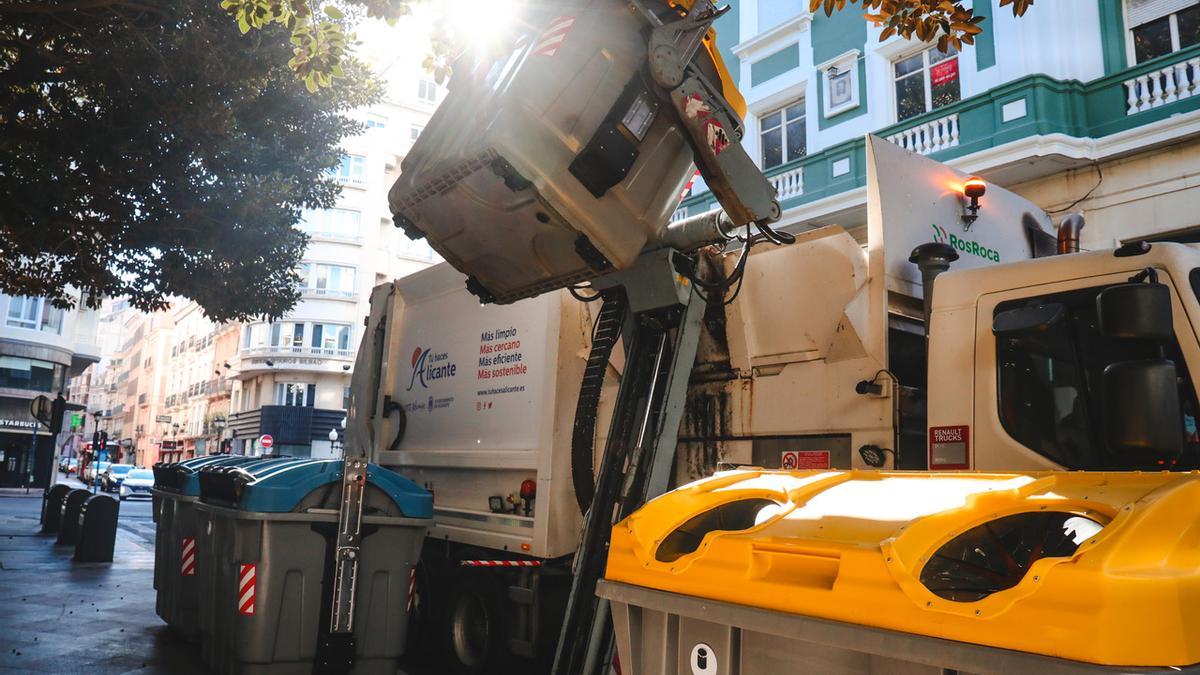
804, 459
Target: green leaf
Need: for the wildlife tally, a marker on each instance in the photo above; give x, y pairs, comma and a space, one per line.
333, 12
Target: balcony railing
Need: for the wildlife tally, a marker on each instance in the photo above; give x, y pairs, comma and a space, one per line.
331, 234
328, 293
1168, 84
931, 136
302, 351
788, 184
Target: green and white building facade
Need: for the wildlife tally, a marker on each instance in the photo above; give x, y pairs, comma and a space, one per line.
1088, 101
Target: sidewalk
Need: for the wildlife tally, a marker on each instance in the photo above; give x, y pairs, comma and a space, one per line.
65, 617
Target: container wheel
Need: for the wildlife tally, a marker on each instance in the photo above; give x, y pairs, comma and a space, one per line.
476, 638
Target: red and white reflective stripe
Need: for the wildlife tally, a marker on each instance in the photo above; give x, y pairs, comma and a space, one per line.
246, 584
688, 188
552, 38
412, 587
187, 557
501, 563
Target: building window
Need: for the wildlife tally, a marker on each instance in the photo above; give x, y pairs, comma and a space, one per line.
332, 223
255, 336
295, 394
288, 335
782, 135
414, 132
35, 314
30, 374
376, 122
1159, 27
427, 91
331, 280
346, 397
331, 336
925, 82
352, 169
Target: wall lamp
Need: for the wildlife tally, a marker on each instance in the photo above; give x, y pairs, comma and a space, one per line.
973, 189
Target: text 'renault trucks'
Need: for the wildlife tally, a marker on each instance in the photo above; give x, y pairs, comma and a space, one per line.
583, 356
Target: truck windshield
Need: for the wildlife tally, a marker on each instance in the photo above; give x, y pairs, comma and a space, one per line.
1050, 382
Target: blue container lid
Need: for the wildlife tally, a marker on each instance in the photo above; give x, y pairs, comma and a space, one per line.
279, 485
183, 477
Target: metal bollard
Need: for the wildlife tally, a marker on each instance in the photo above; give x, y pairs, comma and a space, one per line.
52, 502
97, 529
68, 526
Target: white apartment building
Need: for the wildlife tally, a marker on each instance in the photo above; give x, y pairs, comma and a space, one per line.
40, 347
291, 377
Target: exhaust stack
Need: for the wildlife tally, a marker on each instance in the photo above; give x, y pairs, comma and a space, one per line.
932, 259
1068, 233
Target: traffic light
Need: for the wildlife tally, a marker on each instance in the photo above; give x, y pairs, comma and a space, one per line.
57, 409
104, 440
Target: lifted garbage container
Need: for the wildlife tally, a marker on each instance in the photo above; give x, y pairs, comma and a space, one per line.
52, 501
176, 488
97, 529
68, 526
868, 572
270, 530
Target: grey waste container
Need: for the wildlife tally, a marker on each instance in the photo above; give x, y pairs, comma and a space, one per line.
68, 526
176, 488
52, 502
268, 531
97, 529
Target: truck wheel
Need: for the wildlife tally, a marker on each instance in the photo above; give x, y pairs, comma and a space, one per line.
476, 638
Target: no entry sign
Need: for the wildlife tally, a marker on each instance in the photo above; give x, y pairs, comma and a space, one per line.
266, 441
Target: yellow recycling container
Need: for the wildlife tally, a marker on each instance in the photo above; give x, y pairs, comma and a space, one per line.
759, 570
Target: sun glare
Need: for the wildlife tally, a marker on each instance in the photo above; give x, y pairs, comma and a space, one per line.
481, 24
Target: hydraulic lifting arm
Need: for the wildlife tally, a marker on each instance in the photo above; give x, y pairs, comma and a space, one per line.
664, 325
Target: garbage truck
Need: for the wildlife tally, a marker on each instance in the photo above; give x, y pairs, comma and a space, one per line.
479, 402
584, 355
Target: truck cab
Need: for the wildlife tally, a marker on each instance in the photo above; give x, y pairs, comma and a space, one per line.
1036, 400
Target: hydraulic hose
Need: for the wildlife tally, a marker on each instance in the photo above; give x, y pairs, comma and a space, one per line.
583, 435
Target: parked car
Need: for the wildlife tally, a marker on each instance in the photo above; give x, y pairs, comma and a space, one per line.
112, 477
137, 484
91, 472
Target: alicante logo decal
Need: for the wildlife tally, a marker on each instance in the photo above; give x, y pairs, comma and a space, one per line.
429, 366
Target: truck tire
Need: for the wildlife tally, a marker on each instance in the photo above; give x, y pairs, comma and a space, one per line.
476, 639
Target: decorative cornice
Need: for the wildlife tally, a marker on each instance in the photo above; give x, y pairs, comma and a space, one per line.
773, 37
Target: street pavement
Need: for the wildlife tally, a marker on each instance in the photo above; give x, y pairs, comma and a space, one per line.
60, 616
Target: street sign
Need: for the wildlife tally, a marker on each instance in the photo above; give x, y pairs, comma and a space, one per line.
165, 419
266, 441
40, 409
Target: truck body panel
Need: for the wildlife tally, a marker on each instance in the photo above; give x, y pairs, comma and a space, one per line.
489, 395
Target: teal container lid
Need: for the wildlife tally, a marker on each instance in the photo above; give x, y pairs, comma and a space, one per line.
279, 485
183, 477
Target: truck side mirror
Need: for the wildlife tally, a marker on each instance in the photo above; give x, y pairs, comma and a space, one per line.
1021, 321
1136, 311
1142, 409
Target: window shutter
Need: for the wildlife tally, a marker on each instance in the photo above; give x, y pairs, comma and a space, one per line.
1145, 11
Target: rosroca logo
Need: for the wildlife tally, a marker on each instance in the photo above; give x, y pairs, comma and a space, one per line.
429, 366
965, 245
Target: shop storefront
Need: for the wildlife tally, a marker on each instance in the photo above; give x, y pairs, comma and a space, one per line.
26, 448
